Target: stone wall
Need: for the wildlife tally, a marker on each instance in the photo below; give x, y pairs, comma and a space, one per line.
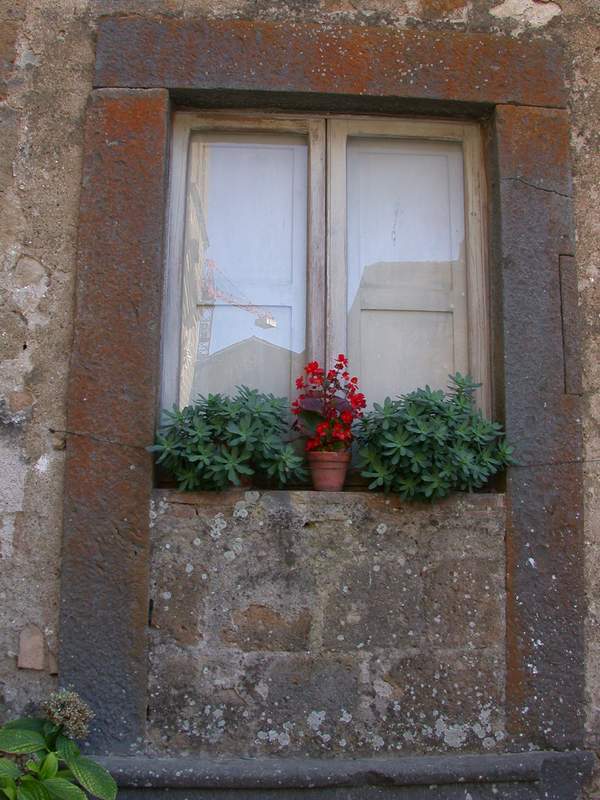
309, 624
46, 60
46, 55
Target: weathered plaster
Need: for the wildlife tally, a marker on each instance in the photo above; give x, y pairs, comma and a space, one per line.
526, 13
44, 80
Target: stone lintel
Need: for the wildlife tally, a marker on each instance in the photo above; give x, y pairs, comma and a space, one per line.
243, 55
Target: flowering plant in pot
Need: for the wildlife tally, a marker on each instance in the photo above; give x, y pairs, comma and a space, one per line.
325, 409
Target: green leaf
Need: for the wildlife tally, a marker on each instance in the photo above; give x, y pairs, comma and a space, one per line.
8, 769
15, 740
94, 778
32, 790
50, 729
10, 792
49, 767
61, 789
66, 749
25, 724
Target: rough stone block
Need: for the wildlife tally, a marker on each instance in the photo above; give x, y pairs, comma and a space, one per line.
451, 698
535, 231
544, 616
460, 602
297, 622
344, 60
111, 410
375, 603
534, 148
258, 627
252, 703
114, 366
178, 591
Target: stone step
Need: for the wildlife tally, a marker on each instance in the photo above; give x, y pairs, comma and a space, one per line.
509, 776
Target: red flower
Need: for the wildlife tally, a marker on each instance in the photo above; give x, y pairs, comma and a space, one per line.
338, 432
334, 397
358, 400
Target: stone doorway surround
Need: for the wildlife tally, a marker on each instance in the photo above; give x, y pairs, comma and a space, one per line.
145, 68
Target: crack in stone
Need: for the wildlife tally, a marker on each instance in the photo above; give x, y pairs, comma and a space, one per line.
540, 188
100, 439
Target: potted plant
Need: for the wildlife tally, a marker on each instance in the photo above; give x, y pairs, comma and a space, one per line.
325, 410
427, 444
222, 441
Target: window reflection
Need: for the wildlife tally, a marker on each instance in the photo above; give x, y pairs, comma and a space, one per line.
244, 282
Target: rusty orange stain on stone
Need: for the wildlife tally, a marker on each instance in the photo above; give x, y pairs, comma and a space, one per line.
331, 59
114, 375
534, 145
112, 385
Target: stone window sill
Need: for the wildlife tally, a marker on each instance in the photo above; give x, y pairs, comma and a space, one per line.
377, 501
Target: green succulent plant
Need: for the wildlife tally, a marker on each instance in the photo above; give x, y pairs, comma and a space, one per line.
220, 441
428, 443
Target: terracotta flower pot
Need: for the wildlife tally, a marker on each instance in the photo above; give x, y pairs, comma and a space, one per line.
328, 469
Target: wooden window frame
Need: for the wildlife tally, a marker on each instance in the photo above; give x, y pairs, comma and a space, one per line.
327, 134
184, 125
478, 312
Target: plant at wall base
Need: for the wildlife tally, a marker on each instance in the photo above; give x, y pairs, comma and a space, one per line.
428, 443
41, 759
221, 441
326, 408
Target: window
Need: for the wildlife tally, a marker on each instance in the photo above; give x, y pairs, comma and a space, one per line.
293, 238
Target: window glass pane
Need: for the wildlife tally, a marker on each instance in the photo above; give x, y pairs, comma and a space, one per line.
407, 323
244, 283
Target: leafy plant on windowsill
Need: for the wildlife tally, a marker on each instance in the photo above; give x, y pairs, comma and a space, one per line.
43, 761
221, 441
427, 444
